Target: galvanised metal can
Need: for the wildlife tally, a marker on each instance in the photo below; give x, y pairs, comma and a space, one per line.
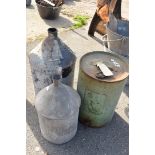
57, 106
41, 58
99, 94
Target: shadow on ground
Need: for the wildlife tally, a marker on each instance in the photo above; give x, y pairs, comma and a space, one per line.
100, 41
126, 90
82, 36
113, 139
30, 7
127, 111
60, 22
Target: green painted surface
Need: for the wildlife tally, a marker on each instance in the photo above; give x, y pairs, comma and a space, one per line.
99, 99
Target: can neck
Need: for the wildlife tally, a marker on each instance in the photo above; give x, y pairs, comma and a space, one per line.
56, 83
56, 80
57, 75
52, 32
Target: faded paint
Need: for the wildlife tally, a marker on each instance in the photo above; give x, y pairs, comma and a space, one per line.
98, 97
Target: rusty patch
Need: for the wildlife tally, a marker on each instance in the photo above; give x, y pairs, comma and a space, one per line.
89, 123
88, 66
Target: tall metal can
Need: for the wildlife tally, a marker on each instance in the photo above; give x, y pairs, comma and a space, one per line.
57, 106
41, 59
100, 94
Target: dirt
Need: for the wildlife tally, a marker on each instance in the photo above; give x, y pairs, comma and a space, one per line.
82, 7
87, 7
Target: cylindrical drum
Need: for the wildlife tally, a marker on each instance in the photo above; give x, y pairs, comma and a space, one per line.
100, 93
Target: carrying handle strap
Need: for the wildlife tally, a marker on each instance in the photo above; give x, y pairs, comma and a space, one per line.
112, 6
104, 38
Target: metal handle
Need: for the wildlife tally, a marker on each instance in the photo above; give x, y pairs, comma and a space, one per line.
112, 6
123, 38
106, 41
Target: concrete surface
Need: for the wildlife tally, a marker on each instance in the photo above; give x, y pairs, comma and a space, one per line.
36, 26
112, 139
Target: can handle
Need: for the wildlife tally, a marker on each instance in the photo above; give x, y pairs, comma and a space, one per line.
112, 6
105, 37
105, 41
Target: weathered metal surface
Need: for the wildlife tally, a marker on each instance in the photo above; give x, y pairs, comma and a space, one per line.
58, 109
115, 63
41, 59
118, 41
99, 97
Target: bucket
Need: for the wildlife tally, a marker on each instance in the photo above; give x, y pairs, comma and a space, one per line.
47, 12
99, 96
118, 41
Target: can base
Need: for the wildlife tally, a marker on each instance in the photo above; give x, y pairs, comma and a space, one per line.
90, 124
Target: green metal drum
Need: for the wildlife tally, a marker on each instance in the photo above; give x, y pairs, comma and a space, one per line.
100, 94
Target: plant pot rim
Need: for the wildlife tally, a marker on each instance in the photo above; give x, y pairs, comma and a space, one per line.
48, 6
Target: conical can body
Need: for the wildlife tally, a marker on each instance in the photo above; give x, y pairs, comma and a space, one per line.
41, 59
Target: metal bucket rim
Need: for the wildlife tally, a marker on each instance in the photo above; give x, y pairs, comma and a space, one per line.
50, 7
103, 80
126, 57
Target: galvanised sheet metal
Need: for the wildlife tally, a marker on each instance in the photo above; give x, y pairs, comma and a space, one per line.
118, 41
100, 94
